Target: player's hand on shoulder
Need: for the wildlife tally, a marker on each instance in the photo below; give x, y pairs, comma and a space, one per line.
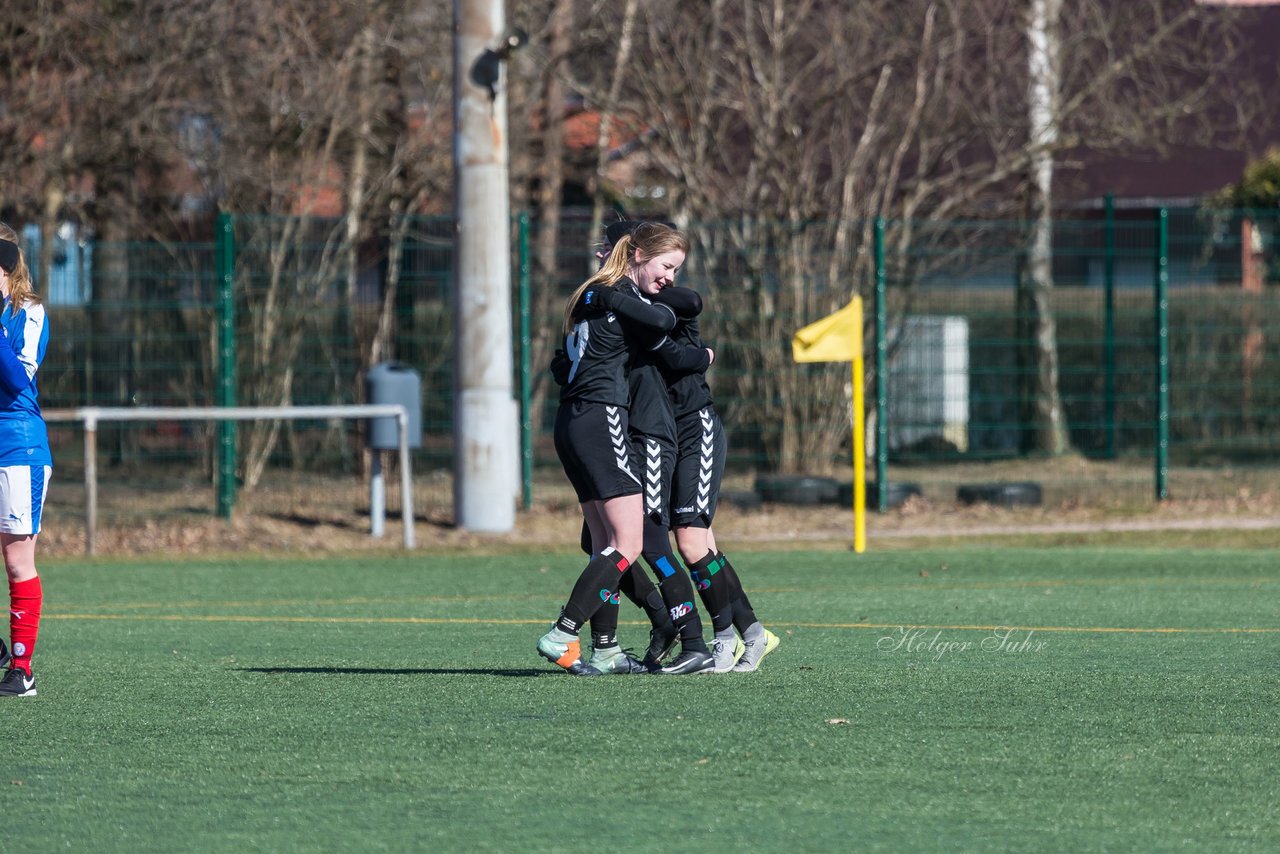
600, 298
685, 302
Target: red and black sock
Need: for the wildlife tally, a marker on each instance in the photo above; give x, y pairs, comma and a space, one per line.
596, 585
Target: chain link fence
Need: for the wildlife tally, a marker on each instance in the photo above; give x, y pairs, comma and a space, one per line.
282, 311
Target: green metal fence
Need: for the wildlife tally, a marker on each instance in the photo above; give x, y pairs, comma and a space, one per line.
1167, 347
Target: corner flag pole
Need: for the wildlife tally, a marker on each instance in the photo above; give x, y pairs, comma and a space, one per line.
838, 338
859, 459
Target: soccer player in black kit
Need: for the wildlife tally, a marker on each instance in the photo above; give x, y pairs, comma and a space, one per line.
695, 493
670, 607
606, 323
653, 434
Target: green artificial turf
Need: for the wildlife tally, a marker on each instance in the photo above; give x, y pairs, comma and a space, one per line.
1130, 702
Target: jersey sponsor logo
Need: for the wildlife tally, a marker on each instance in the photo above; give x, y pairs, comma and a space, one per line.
610, 598
686, 509
684, 609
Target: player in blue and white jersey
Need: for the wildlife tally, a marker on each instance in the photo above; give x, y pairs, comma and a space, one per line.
25, 461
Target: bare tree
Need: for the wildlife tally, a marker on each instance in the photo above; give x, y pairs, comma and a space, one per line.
1108, 77
89, 90
795, 124
314, 111
300, 103
1035, 289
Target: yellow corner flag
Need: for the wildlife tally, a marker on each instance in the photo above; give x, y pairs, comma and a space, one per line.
838, 338
835, 338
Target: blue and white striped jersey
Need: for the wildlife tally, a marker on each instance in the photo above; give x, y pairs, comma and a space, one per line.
24, 440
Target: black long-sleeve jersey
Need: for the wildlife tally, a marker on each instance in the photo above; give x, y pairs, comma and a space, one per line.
688, 387
612, 324
651, 412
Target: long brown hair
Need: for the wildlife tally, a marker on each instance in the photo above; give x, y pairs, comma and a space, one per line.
649, 239
20, 292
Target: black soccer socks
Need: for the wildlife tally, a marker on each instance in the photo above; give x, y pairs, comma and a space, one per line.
595, 586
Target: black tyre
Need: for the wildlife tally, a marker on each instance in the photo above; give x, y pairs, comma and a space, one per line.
798, 489
741, 499
1024, 494
898, 494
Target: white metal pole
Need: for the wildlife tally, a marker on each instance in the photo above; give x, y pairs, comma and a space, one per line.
377, 496
406, 481
485, 423
90, 484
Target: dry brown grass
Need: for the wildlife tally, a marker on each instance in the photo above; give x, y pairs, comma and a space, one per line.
304, 513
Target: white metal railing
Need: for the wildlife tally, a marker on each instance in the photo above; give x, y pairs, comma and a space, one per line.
91, 415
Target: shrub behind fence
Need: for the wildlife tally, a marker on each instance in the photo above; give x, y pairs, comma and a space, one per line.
303, 327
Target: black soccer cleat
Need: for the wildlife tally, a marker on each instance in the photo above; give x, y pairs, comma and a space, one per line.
16, 683
688, 662
662, 639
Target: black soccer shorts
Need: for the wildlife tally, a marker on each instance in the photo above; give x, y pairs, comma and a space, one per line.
593, 446
657, 462
700, 457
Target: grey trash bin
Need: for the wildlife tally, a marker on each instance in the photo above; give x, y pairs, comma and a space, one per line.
393, 382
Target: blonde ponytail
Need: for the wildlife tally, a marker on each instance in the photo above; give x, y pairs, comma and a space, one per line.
613, 269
